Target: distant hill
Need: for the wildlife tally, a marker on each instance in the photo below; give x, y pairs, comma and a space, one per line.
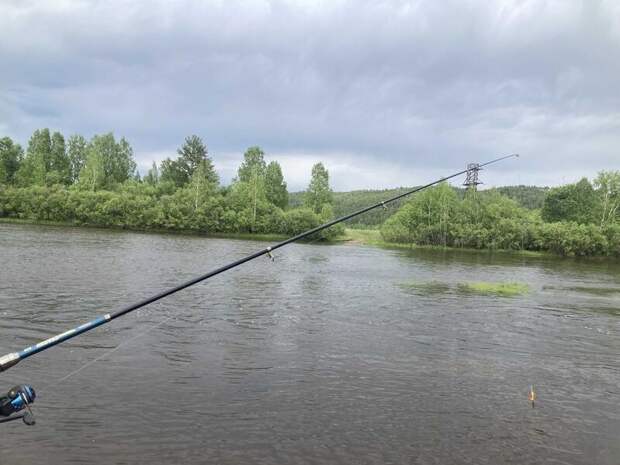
531, 197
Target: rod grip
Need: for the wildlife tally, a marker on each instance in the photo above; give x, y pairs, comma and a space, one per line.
9, 360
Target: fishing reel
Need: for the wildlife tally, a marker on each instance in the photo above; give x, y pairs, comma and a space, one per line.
17, 399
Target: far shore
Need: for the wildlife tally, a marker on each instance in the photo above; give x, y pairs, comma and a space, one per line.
351, 236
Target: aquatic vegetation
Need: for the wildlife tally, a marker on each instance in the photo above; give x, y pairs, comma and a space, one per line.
426, 288
509, 289
505, 289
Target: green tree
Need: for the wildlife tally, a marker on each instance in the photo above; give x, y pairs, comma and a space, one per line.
59, 168
319, 192
192, 154
607, 185
77, 153
428, 218
253, 165
203, 183
122, 166
11, 155
250, 184
573, 202
115, 157
275, 187
36, 163
92, 176
327, 214
174, 172
152, 177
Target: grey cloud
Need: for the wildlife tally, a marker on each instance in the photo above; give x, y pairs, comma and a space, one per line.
419, 85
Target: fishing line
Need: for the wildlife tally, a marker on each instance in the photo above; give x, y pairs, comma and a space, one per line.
130, 340
111, 351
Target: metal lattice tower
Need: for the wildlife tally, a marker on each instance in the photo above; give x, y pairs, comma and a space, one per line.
472, 181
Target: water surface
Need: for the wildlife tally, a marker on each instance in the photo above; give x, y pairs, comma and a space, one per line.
325, 356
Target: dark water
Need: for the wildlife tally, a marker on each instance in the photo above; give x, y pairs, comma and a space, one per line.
320, 357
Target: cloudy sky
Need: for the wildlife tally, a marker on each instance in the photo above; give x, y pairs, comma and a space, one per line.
385, 93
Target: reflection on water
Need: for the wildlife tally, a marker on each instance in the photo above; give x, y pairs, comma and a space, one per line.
320, 357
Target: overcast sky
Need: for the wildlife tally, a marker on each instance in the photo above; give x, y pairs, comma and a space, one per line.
385, 93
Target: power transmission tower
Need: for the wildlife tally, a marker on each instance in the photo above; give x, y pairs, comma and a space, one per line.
472, 181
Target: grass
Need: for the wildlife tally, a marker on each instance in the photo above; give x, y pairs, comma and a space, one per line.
369, 237
497, 289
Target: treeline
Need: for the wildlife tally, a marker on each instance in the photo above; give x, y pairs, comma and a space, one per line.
530, 197
95, 183
347, 202
575, 219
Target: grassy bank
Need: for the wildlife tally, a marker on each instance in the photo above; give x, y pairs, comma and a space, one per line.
367, 237
373, 237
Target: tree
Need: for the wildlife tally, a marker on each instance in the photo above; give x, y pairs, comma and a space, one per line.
108, 163
275, 187
122, 166
250, 183
59, 167
116, 159
202, 183
192, 154
173, 171
92, 176
428, 217
152, 177
318, 193
36, 163
11, 155
46, 160
572, 202
253, 164
76, 152
607, 185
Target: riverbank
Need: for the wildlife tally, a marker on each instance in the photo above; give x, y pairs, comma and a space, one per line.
365, 237
372, 237
185, 232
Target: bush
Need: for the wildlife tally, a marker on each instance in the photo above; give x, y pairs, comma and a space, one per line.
299, 220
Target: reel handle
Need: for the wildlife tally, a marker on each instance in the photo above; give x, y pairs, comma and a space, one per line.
17, 399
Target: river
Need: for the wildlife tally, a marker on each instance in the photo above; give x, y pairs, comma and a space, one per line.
327, 355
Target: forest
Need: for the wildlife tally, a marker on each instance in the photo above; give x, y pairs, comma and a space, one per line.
94, 182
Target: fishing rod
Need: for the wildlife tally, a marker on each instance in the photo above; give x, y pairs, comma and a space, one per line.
20, 397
